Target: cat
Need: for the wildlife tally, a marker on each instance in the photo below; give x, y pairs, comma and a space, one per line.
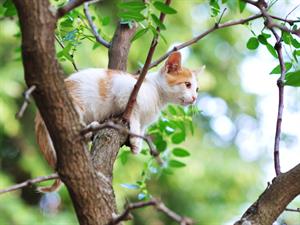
98, 94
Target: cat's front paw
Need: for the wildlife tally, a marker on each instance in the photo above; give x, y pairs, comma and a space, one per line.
135, 145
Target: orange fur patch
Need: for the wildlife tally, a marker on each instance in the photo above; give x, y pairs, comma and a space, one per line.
180, 76
103, 87
73, 88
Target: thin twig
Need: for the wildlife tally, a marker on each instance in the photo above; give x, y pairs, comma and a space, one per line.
222, 14
293, 210
29, 183
280, 82
72, 56
95, 126
200, 36
93, 26
291, 22
68, 7
262, 5
137, 86
159, 207
26, 102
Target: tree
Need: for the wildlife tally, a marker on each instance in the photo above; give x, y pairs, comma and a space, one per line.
94, 201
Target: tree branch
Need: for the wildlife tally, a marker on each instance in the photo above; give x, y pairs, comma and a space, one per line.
99, 39
202, 35
29, 183
95, 126
137, 86
160, 206
68, 7
273, 201
26, 101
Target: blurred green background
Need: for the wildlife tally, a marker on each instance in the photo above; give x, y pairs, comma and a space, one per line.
218, 182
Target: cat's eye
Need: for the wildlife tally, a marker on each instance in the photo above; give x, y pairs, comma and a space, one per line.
197, 89
188, 84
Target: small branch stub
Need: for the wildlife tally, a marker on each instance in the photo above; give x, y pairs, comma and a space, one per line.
26, 101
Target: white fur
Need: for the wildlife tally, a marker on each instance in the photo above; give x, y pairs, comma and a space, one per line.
154, 94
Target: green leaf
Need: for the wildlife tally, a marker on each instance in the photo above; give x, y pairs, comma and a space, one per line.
277, 69
172, 109
272, 50
105, 20
133, 5
287, 37
215, 8
242, 5
139, 34
132, 15
252, 43
176, 164
131, 186
293, 78
10, 8
159, 142
295, 43
179, 137
158, 22
164, 8
180, 152
262, 39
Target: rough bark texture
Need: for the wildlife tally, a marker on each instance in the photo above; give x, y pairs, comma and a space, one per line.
90, 190
272, 202
120, 45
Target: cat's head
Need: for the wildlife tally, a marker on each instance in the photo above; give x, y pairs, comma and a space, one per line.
179, 84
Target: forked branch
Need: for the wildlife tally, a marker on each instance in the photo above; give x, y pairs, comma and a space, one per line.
158, 205
68, 7
29, 183
99, 39
95, 126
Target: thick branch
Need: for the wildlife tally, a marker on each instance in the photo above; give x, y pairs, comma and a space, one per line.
89, 190
273, 201
95, 126
160, 206
120, 46
137, 86
29, 183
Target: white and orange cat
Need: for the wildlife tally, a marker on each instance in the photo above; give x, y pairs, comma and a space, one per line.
101, 93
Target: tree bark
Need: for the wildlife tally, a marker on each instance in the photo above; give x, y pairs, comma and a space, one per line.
273, 201
90, 191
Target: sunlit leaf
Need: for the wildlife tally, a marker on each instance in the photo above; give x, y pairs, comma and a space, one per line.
132, 5
176, 164
252, 43
179, 137
272, 50
293, 78
164, 8
139, 34
180, 152
277, 69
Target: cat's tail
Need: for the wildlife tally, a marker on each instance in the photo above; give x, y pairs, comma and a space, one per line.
46, 146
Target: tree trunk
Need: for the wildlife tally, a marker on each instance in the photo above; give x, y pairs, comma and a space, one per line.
90, 191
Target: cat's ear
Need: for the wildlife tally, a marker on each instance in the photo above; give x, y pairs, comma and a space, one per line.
173, 63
